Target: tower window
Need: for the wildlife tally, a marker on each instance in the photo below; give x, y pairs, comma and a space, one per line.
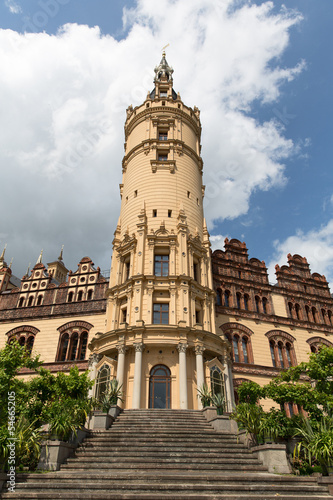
124, 315
163, 93
163, 136
154, 213
162, 157
161, 265
135, 193
169, 213
161, 314
188, 194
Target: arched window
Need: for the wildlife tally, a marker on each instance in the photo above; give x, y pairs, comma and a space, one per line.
271, 346
257, 302
281, 349
290, 306
244, 349
307, 312
238, 300
317, 342
24, 335
264, 305
219, 297
21, 302
30, 301
63, 347
314, 314
70, 297
226, 298
73, 341
39, 300
216, 381
160, 387
239, 338
83, 345
103, 380
90, 294
80, 296
246, 302
73, 346
235, 346
30, 343
329, 315
298, 311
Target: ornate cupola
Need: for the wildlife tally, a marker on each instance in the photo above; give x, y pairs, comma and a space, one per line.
163, 81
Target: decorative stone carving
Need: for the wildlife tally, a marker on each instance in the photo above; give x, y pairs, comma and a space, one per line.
94, 358
182, 347
139, 347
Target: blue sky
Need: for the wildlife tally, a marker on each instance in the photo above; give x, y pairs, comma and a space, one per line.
269, 182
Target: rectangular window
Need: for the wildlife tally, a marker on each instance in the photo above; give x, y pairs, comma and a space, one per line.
124, 315
161, 265
163, 93
161, 314
163, 136
162, 157
154, 213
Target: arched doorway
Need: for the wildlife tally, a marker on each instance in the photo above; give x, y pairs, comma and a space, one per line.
160, 387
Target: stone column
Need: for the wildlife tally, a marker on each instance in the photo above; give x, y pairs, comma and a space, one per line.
139, 347
229, 387
199, 350
121, 364
182, 376
94, 358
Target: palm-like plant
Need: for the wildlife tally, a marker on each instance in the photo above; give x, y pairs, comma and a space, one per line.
317, 441
219, 402
112, 395
205, 395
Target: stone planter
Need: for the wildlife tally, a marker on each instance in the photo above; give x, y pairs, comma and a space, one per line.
101, 420
223, 423
274, 457
209, 412
326, 481
81, 434
114, 411
54, 453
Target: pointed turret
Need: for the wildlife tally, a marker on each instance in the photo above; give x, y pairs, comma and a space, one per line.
163, 81
57, 269
163, 72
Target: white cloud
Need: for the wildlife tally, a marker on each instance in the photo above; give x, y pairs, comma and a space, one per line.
63, 101
316, 245
217, 241
13, 7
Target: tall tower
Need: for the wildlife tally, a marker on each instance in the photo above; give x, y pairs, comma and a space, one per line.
160, 328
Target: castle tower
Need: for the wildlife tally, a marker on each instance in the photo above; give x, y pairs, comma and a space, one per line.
160, 340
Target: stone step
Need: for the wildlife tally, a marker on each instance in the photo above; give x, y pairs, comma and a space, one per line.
78, 465
191, 487
161, 454
151, 459
165, 446
94, 495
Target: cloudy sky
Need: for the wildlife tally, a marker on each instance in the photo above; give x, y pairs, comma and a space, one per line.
259, 71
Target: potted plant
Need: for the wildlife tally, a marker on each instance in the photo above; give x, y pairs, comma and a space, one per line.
219, 402
205, 395
249, 416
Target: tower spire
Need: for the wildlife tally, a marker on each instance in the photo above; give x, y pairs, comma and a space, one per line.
2, 257
61, 253
39, 260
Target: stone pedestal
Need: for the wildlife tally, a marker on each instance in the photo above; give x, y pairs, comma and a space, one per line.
274, 457
101, 420
54, 453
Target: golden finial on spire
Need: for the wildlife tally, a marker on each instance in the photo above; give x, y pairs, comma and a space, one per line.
2, 257
61, 253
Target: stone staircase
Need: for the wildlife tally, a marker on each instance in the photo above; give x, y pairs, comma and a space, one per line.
164, 454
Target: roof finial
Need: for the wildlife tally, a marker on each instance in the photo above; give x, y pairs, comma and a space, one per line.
39, 260
28, 270
2, 257
61, 253
10, 265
